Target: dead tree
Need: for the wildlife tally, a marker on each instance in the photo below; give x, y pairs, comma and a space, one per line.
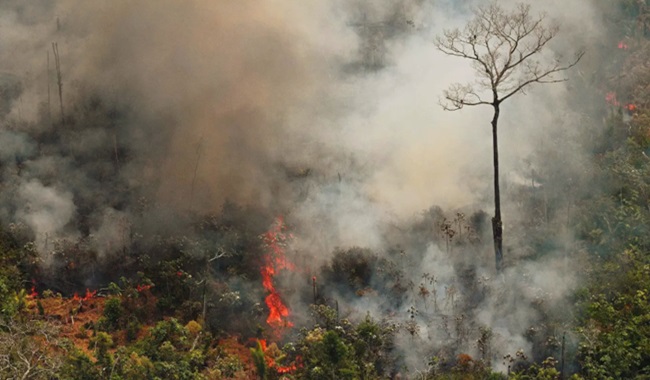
49, 96
505, 49
59, 81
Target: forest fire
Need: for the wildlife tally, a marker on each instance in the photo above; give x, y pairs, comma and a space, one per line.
275, 241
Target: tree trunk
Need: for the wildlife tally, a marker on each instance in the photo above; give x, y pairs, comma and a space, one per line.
57, 63
497, 225
204, 311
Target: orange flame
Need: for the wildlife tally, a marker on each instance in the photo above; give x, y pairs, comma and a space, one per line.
272, 364
87, 297
275, 240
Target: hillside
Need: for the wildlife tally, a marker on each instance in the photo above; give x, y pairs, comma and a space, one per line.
244, 190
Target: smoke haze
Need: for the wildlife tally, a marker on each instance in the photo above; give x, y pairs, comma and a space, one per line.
326, 111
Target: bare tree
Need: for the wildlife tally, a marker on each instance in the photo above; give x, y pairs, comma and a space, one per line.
29, 350
505, 49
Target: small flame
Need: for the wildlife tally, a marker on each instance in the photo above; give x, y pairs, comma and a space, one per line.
622, 45
611, 99
89, 295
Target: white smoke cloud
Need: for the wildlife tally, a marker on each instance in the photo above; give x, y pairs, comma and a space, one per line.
46, 210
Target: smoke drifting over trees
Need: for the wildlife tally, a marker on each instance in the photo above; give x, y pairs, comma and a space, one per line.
323, 111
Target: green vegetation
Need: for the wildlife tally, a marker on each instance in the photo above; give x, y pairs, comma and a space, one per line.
339, 349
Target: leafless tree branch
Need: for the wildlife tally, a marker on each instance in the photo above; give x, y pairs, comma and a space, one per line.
501, 46
27, 349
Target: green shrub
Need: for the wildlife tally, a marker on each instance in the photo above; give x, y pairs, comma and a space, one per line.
113, 312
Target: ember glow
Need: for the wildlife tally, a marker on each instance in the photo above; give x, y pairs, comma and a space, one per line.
142, 288
610, 98
275, 241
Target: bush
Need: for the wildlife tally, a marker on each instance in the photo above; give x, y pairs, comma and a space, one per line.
113, 312
78, 366
132, 330
342, 350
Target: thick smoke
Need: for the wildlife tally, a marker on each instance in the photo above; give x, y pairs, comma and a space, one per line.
326, 111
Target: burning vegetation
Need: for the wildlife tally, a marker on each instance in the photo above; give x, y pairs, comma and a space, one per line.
187, 192
275, 243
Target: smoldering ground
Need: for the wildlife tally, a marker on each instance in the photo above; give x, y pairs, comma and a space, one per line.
325, 111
